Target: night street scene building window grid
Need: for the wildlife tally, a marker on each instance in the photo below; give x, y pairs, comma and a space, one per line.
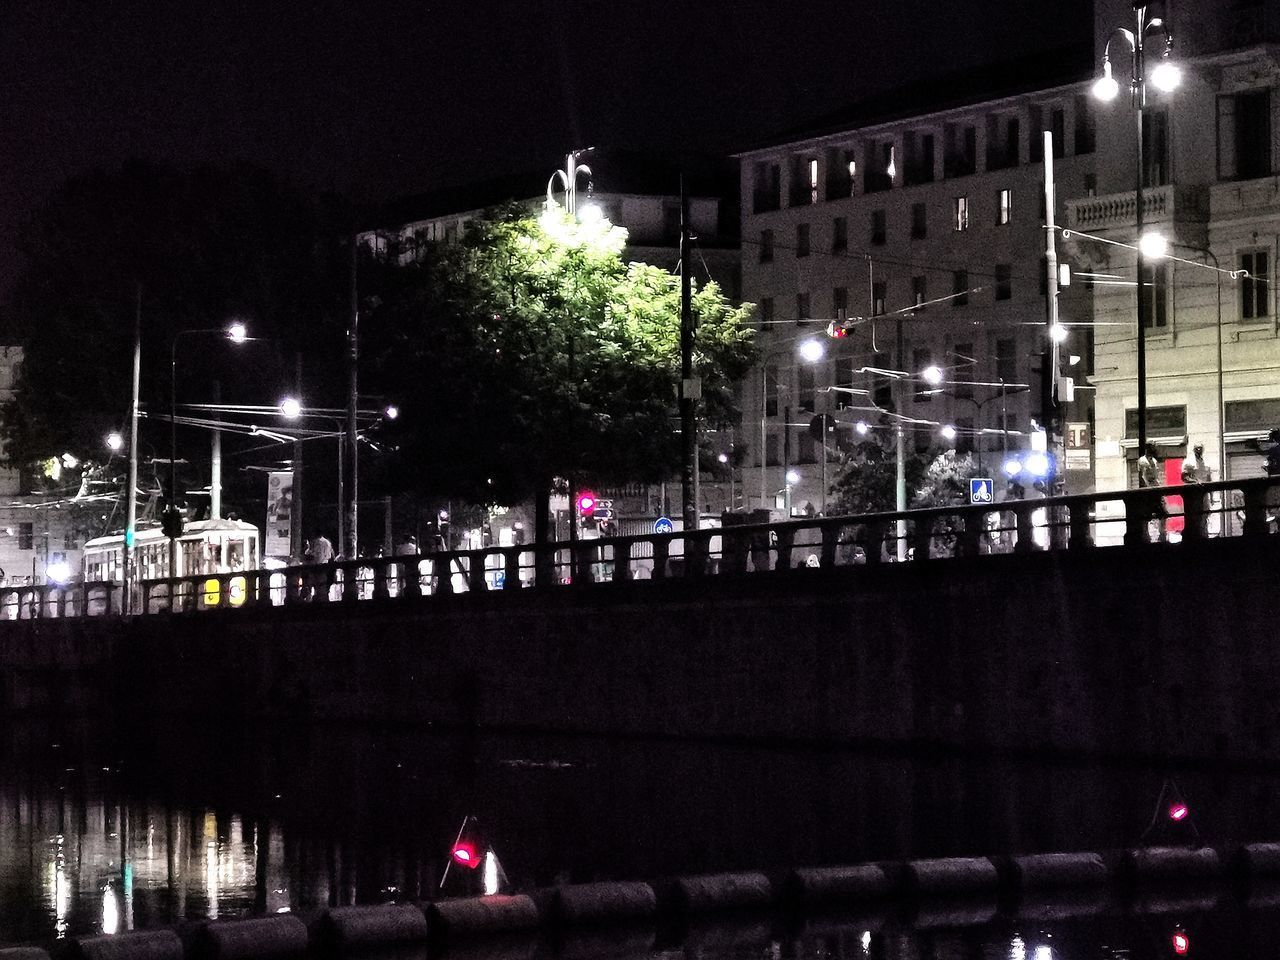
1255, 289
961, 211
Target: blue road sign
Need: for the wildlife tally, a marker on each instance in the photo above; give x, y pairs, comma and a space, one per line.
981, 490
663, 525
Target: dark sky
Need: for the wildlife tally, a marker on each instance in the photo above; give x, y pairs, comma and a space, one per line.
380, 98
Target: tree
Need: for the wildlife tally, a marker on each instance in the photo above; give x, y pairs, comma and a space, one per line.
201, 247
945, 482
531, 350
866, 480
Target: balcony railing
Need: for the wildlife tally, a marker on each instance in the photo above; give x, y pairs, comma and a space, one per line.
1184, 516
1120, 209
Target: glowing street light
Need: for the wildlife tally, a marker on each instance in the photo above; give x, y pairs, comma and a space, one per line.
1105, 88
1058, 333
931, 375
948, 432
811, 351
290, 408
1167, 75
237, 332
1012, 467
861, 427
391, 412
792, 477
114, 441
1153, 245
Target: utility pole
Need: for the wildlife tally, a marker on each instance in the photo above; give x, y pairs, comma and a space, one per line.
690, 388
131, 511
295, 510
215, 463
352, 439
900, 486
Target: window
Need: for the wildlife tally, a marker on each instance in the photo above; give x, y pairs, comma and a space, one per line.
960, 287
802, 307
802, 239
766, 246
1155, 281
840, 301
69, 540
813, 180
963, 370
844, 379
766, 309
1004, 207
961, 209
1058, 127
1007, 360
882, 386
1244, 135
879, 227
919, 221
771, 390
919, 291
1155, 147
878, 290
1255, 289
1161, 422
1086, 130
841, 169
880, 160
921, 359
1090, 184
771, 449
1004, 281
26, 536
839, 234
768, 187
805, 380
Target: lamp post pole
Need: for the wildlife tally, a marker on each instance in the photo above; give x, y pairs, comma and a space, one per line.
131, 500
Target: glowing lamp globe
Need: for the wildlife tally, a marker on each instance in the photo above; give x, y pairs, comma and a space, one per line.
1166, 76
1106, 87
811, 351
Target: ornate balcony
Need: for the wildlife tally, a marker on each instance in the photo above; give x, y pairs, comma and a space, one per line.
1118, 210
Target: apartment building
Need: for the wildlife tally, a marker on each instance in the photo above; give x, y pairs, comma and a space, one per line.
1212, 337
929, 219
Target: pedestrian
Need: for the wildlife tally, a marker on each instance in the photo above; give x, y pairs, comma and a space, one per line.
1194, 469
319, 552
407, 547
1149, 476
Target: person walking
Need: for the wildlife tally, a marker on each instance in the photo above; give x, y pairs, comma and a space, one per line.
1149, 476
321, 552
1195, 470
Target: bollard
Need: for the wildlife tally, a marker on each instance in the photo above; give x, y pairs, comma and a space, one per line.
813, 885
1170, 863
493, 914
134, 945
709, 893
952, 875
268, 938
353, 928
1059, 870
1259, 859
603, 902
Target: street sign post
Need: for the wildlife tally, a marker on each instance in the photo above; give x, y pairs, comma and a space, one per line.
981, 490
663, 525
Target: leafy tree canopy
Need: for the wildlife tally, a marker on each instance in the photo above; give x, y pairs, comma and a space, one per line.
205, 247
531, 350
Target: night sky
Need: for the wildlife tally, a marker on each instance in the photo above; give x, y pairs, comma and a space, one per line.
376, 99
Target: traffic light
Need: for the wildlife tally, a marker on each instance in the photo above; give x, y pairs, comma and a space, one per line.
836, 330
587, 505
171, 521
465, 854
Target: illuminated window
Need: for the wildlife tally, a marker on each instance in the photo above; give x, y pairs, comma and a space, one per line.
961, 208
1005, 207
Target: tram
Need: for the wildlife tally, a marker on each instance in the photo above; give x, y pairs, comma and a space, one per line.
206, 546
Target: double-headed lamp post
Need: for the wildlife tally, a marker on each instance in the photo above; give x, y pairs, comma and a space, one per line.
1165, 77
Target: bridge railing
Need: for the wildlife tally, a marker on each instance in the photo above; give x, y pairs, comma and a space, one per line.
1136, 519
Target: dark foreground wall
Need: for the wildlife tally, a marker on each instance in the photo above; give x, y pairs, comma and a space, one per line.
1168, 652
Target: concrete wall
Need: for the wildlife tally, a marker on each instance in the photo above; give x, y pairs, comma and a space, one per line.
1114, 654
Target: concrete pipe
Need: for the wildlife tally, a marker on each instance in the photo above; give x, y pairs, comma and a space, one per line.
829, 885
952, 875
23, 953
709, 893
1143, 864
1059, 870
353, 928
266, 938
603, 902
133, 945
494, 914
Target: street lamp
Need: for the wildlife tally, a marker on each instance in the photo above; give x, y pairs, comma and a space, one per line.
812, 351
1165, 77
948, 432
114, 441
291, 408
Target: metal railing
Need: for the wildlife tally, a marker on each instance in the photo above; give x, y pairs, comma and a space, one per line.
1179, 516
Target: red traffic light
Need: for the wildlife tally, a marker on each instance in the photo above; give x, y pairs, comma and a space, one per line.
465, 854
836, 330
1181, 943
586, 504
1178, 811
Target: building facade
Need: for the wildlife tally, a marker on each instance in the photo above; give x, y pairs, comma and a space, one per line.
1212, 336
931, 222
